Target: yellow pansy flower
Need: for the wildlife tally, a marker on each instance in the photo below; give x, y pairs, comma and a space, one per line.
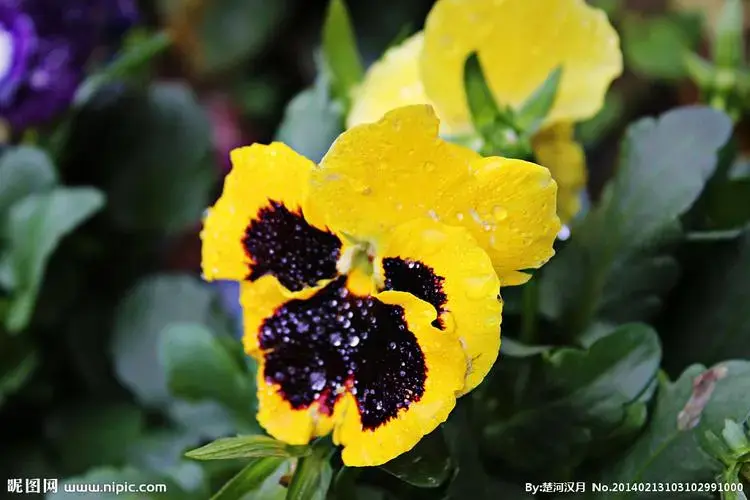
369, 302
519, 42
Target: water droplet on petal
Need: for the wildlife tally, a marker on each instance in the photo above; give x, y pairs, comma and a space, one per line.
392, 345
433, 240
429, 166
499, 213
317, 381
336, 339
479, 287
354, 341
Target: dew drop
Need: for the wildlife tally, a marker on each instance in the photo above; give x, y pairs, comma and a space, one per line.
499, 213
433, 241
336, 339
479, 287
392, 346
429, 166
354, 341
317, 380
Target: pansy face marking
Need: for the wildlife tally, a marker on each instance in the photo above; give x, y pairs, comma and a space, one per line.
284, 244
367, 304
335, 341
259, 227
420, 280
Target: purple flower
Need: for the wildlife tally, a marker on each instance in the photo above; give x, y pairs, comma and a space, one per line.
44, 48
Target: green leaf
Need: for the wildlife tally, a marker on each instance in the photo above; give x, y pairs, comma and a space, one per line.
147, 309
88, 435
729, 42
23, 171
132, 58
221, 35
617, 265
516, 349
199, 368
340, 51
673, 447
35, 226
312, 121
727, 205
18, 362
531, 114
472, 480
482, 106
208, 420
312, 477
588, 393
427, 465
109, 483
249, 479
161, 450
655, 46
701, 71
712, 298
594, 129
247, 447
156, 145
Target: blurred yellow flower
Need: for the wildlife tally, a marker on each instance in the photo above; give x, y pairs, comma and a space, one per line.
519, 42
369, 283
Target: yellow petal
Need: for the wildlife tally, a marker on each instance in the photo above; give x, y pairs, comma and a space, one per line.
295, 425
389, 83
392, 82
372, 367
378, 175
556, 149
258, 225
445, 267
509, 206
519, 43
284, 422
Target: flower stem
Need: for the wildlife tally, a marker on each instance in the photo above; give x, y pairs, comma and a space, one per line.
529, 320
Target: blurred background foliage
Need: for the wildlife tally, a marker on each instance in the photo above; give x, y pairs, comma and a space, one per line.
115, 358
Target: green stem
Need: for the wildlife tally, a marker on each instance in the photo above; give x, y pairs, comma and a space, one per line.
529, 321
530, 299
